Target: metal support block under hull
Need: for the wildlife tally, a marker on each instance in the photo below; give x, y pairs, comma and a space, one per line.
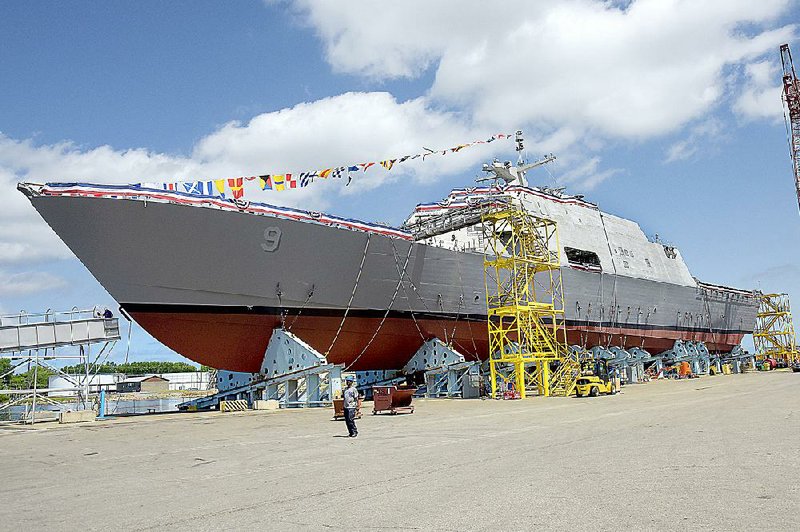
695, 353
446, 372
455, 380
739, 359
432, 354
292, 373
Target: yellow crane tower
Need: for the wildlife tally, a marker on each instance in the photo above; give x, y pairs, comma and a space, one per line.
524, 298
773, 336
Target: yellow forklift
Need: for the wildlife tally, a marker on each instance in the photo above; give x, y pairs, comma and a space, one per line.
596, 378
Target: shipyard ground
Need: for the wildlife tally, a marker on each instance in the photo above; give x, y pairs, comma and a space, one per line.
717, 453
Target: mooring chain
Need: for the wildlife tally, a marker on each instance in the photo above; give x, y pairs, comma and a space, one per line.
405, 291
460, 302
469, 328
472, 337
413, 286
352, 295
391, 303
467, 320
416, 292
458, 315
281, 310
614, 286
303, 306
440, 302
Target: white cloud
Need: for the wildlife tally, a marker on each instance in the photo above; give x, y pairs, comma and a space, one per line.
341, 130
28, 283
66, 161
588, 174
761, 97
636, 71
24, 237
701, 136
29, 240
680, 151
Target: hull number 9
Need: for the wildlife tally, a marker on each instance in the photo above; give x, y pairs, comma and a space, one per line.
272, 237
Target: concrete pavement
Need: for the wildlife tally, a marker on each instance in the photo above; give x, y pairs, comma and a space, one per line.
716, 453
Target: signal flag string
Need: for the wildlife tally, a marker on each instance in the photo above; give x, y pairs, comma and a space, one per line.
234, 187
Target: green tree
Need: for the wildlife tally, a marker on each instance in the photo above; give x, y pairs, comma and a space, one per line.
5, 365
135, 368
24, 381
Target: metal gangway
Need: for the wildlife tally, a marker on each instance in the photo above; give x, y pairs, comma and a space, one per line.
22, 332
455, 219
34, 341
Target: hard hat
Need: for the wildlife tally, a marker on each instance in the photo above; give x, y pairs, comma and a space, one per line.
349, 378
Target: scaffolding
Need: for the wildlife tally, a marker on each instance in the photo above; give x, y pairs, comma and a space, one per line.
528, 350
773, 336
31, 343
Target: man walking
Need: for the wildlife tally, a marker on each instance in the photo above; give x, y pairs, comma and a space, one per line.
351, 406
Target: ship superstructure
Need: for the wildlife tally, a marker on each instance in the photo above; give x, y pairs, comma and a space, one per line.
616, 279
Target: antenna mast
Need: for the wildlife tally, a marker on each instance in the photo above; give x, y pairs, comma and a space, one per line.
513, 174
519, 140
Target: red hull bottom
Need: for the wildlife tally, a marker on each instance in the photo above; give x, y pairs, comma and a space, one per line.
237, 342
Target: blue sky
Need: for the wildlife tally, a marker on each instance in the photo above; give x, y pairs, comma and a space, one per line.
665, 112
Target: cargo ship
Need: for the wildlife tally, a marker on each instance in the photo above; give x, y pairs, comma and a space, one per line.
211, 278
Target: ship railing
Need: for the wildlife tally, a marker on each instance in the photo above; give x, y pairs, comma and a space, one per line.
455, 219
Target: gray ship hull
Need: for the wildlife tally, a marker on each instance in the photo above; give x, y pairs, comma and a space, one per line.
212, 284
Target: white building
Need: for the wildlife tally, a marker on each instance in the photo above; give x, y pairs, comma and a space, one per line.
193, 380
62, 387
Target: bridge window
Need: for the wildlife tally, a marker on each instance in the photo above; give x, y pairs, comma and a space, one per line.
580, 257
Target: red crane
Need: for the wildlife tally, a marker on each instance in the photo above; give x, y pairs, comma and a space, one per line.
791, 95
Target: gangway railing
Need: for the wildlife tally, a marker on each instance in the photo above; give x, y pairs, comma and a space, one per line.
22, 332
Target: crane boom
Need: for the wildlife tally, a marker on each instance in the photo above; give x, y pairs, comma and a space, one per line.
791, 95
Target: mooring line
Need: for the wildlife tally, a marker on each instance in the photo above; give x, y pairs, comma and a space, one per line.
352, 295
391, 303
405, 291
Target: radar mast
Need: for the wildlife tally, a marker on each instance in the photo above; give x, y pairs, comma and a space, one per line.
510, 174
